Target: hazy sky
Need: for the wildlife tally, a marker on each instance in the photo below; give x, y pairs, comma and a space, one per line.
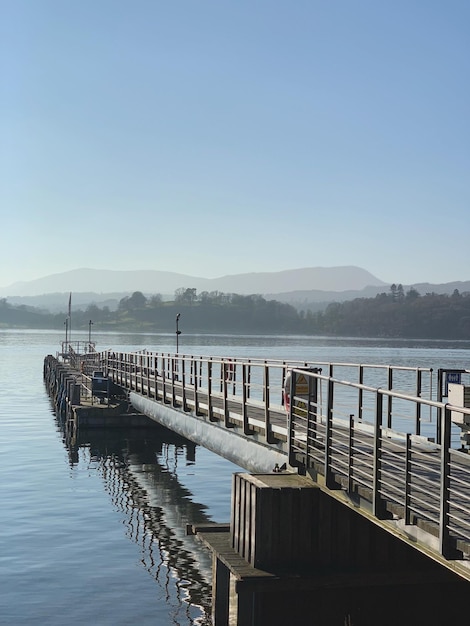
214, 137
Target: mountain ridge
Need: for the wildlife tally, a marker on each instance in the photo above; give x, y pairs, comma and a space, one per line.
337, 278
312, 299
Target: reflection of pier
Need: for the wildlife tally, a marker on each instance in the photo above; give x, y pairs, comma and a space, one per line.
139, 470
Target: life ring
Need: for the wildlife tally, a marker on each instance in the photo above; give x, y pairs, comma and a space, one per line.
286, 391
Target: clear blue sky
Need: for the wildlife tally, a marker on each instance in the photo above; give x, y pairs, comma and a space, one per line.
210, 137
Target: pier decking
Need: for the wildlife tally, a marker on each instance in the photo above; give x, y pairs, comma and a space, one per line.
376, 443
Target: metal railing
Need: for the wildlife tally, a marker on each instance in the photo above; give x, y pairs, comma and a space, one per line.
376, 432
403, 475
260, 380
70, 348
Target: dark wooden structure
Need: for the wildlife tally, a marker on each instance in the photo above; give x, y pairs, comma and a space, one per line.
294, 555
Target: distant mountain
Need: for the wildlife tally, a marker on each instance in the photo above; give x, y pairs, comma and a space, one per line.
424, 288
318, 278
306, 289
98, 281
316, 300
154, 281
58, 302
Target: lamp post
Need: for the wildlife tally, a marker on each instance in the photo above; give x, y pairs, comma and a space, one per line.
90, 324
66, 323
178, 332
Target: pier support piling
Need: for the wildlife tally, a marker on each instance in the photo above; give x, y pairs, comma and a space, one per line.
292, 556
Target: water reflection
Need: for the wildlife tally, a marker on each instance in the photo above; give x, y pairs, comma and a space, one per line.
140, 472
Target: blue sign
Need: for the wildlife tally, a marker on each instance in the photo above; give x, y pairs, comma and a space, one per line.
453, 377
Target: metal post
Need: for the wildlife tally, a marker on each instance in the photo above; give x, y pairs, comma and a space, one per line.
361, 393
183, 384
178, 332
290, 420
418, 404
377, 461
90, 324
444, 508
351, 453
407, 515
389, 399
329, 432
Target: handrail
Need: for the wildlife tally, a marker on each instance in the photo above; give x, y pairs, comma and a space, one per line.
369, 439
409, 476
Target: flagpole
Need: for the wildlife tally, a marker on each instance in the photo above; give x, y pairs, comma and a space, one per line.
70, 317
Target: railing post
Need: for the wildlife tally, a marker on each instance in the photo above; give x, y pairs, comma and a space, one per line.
105, 360
407, 516
135, 360
164, 379
444, 547
361, 393
173, 375
155, 374
418, 404
138, 372
439, 399
312, 415
389, 398
224, 388
246, 427
248, 380
233, 375
183, 385
267, 400
149, 360
376, 501
290, 421
212, 418
196, 387
350, 454
329, 433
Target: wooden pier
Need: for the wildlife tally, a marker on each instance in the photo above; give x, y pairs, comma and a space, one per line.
337, 503
80, 405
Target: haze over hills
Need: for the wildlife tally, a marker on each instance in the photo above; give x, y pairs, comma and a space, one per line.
305, 288
155, 281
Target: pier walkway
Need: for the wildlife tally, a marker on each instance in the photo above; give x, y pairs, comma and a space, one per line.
382, 440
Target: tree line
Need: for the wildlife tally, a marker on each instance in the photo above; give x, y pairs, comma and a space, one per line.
392, 314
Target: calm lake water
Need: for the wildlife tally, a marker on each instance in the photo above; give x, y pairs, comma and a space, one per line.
96, 533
